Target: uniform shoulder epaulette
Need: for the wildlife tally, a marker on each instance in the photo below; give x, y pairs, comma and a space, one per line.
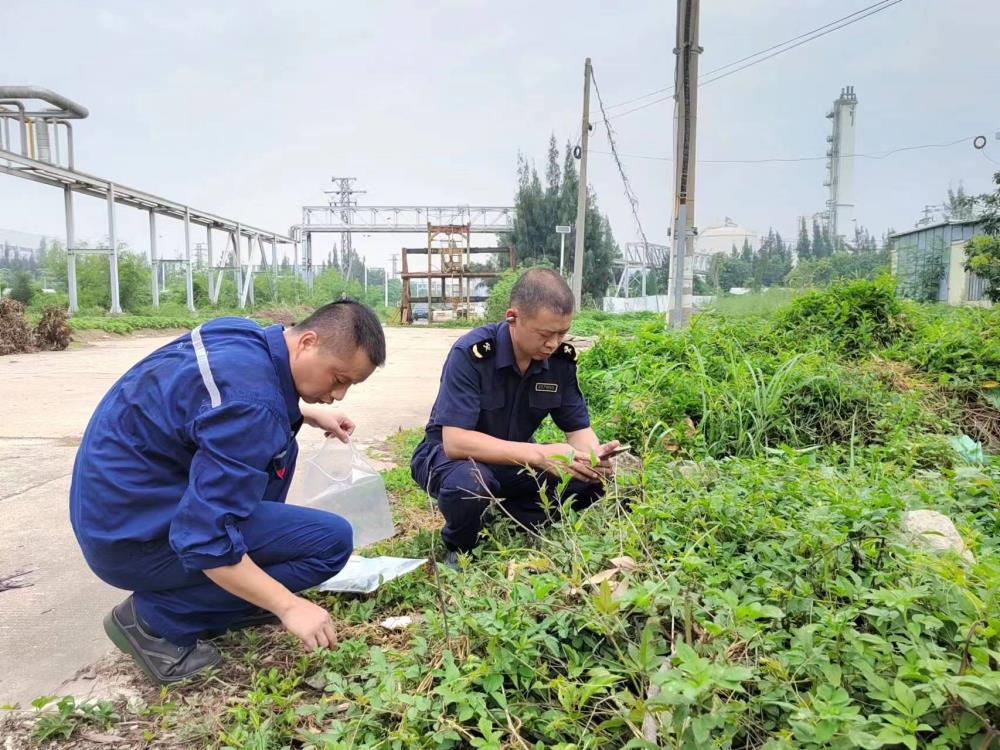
484, 349
565, 351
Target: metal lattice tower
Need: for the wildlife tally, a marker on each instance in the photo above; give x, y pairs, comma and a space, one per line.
344, 196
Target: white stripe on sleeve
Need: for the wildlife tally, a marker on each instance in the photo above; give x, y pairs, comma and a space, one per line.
206, 372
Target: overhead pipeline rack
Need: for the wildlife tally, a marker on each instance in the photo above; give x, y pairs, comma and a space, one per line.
43, 157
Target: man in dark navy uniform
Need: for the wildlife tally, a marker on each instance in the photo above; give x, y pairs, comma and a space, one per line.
498, 384
180, 481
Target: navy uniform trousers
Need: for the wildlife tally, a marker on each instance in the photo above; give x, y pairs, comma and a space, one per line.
299, 547
465, 489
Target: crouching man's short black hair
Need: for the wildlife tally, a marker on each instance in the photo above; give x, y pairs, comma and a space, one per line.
347, 323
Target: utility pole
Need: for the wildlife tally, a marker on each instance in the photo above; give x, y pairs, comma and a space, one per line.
386, 285
685, 121
581, 198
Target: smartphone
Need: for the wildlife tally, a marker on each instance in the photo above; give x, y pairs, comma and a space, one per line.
617, 451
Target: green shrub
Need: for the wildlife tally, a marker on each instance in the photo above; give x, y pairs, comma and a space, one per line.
499, 297
857, 316
22, 289
743, 390
959, 344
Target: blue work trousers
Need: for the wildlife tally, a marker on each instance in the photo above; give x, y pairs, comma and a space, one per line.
465, 489
300, 547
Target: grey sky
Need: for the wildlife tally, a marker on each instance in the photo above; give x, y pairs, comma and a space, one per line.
248, 108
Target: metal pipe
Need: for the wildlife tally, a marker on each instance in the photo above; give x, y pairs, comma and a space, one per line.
189, 275
55, 141
116, 307
97, 186
70, 256
31, 140
65, 108
154, 259
69, 142
21, 121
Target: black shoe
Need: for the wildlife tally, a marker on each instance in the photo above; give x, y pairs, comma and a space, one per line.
451, 559
162, 660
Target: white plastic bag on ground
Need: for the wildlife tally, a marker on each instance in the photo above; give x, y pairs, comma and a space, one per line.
339, 479
362, 575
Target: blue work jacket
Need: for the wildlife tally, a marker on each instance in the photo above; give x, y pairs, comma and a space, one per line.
482, 389
187, 443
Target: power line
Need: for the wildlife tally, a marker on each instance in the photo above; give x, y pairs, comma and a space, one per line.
804, 41
633, 201
778, 159
756, 58
751, 56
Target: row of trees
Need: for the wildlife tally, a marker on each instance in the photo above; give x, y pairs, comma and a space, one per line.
774, 262
135, 284
541, 207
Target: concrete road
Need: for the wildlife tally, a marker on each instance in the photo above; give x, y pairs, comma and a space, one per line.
51, 626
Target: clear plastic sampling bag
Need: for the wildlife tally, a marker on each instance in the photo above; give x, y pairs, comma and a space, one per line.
339, 479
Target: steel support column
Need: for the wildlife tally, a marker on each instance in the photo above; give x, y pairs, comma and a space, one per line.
211, 263
116, 307
74, 305
309, 260
189, 271
154, 259
237, 261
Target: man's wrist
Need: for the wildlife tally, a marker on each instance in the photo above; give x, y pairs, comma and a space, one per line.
284, 605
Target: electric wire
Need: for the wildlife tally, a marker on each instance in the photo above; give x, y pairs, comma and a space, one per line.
878, 155
755, 58
752, 55
629, 193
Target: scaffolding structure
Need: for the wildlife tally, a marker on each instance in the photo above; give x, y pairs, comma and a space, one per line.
39, 156
449, 254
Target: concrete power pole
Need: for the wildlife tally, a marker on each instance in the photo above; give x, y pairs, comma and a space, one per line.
581, 200
685, 121
685, 130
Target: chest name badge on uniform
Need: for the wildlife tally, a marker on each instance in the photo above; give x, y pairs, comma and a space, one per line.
547, 387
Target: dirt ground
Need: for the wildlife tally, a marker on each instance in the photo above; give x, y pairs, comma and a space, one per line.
51, 605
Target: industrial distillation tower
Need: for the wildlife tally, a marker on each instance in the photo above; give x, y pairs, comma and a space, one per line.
840, 166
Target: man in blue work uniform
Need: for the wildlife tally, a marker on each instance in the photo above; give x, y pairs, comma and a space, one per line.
180, 481
498, 384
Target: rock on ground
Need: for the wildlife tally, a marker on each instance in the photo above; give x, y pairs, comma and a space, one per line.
935, 531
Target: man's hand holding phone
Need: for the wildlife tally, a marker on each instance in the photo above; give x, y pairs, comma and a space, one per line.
597, 465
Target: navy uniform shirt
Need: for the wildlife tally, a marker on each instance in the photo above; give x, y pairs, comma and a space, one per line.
187, 443
483, 390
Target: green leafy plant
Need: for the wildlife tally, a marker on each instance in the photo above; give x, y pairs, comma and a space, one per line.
63, 719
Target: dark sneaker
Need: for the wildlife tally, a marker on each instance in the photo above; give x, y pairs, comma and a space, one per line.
162, 660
